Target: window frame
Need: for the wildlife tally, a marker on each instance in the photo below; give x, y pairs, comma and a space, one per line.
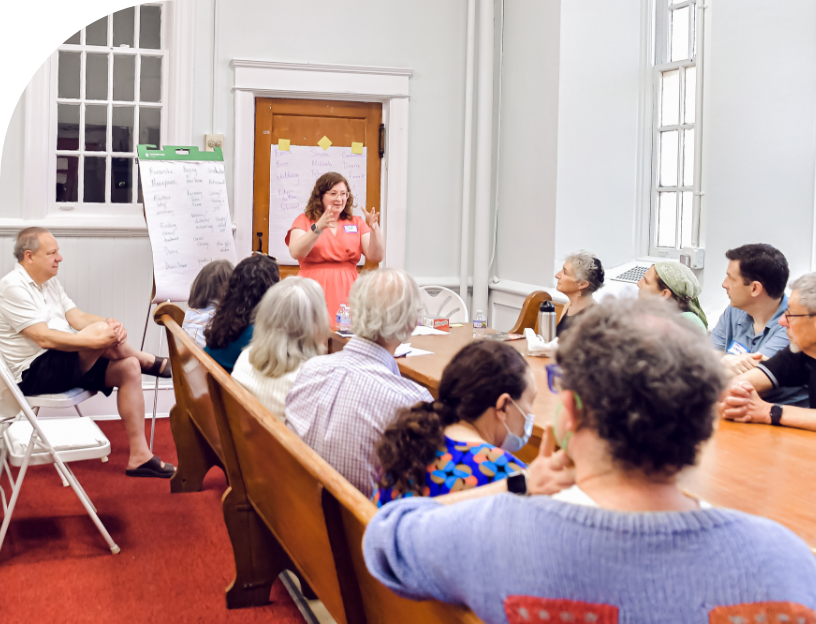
133, 208
659, 62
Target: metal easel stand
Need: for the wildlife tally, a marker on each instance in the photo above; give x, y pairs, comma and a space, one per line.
156, 387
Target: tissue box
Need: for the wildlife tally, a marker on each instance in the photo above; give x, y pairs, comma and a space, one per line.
442, 324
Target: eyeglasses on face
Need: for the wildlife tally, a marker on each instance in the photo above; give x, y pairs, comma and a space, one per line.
789, 316
554, 377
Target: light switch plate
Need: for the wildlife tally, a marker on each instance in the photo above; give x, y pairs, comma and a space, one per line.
211, 141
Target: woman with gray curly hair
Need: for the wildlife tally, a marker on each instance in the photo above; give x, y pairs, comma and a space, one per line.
579, 278
291, 326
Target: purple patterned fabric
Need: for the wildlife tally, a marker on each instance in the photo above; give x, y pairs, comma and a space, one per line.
341, 404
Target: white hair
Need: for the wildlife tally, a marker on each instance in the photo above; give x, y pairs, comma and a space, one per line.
385, 305
587, 269
806, 286
291, 326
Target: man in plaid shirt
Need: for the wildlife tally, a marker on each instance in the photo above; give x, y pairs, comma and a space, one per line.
341, 403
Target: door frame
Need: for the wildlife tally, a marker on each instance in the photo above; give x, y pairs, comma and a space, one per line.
387, 85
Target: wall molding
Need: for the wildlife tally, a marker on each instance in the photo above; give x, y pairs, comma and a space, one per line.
387, 85
86, 226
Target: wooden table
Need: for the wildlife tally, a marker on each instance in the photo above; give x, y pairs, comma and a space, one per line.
763, 470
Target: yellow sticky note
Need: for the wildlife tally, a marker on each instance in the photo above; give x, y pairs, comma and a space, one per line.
324, 143
283, 145
356, 148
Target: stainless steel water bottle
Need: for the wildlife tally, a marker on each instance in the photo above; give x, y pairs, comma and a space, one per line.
546, 321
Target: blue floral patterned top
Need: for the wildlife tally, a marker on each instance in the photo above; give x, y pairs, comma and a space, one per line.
459, 466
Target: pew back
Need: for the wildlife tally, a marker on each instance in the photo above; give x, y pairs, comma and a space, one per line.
284, 481
192, 419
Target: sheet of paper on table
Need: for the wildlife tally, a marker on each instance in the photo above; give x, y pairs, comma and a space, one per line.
421, 330
405, 350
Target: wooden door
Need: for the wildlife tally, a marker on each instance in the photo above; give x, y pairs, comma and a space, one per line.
305, 122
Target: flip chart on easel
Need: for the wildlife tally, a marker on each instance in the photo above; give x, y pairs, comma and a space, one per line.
292, 176
187, 213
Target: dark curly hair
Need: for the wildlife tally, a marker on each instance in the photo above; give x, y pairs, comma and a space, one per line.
648, 379
247, 285
762, 263
471, 383
325, 183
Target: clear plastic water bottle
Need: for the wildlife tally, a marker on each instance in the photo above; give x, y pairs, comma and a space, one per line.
479, 324
345, 322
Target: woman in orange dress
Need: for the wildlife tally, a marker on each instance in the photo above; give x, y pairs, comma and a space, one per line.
327, 239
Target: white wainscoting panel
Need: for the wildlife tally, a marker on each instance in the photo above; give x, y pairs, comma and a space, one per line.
110, 277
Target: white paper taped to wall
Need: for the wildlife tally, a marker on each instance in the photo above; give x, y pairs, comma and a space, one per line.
292, 176
188, 221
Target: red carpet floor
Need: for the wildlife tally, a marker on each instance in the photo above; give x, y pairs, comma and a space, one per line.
175, 561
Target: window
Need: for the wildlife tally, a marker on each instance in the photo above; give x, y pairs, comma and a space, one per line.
110, 83
675, 196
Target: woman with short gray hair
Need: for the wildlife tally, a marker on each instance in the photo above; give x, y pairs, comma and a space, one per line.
580, 277
291, 326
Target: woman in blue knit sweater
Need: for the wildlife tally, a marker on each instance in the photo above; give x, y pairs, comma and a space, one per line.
609, 536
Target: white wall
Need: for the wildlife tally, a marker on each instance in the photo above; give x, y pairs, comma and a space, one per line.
528, 141
598, 91
760, 133
11, 165
425, 35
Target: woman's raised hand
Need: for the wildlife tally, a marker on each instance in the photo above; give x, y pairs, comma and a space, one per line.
328, 219
372, 218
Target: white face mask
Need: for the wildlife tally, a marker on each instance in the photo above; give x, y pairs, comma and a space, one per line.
514, 443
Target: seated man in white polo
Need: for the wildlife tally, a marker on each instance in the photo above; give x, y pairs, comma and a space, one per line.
51, 346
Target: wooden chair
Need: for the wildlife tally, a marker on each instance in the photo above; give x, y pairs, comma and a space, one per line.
191, 419
528, 317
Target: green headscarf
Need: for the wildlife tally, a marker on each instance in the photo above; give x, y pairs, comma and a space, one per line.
683, 283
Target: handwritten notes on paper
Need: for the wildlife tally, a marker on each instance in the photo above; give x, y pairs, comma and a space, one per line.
188, 221
292, 176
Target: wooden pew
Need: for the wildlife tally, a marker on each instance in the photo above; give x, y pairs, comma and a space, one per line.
528, 316
316, 515
198, 443
191, 418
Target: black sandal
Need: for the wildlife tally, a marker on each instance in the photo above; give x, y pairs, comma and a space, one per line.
152, 468
156, 370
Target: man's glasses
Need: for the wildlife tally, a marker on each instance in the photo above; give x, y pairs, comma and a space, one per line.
789, 316
554, 377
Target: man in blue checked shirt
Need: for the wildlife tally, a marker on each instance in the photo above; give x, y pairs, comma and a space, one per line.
749, 330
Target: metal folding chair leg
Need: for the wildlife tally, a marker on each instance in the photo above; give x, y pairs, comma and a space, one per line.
16, 490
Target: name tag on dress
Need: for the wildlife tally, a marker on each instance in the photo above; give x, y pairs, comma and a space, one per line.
350, 229
736, 348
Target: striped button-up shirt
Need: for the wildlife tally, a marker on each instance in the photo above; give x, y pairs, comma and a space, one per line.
341, 404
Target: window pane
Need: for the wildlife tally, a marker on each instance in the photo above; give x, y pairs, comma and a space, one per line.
691, 94
96, 127
67, 126
97, 33
668, 158
149, 126
124, 22
151, 79
666, 219
121, 180
122, 129
94, 179
73, 39
68, 81
150, 28
670, 98
67, 178
688, 219
124, 77
680, 34
96, 77
688, 157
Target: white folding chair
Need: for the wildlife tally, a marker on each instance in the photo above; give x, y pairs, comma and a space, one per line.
442, 302
27, 441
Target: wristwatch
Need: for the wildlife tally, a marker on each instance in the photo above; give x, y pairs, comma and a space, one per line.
776, 415
315, 230
517, 483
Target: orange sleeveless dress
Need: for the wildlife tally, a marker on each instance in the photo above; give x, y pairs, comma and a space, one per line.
332, 262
